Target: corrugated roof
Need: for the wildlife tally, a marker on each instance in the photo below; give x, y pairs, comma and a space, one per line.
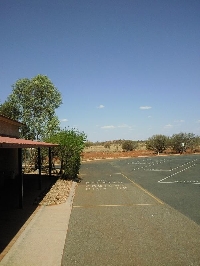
7, 142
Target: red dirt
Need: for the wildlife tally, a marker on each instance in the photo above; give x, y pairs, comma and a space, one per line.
104, 155
92, 155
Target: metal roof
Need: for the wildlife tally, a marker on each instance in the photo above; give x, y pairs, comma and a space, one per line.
8, 142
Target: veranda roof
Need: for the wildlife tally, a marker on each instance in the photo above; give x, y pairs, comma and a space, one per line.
8, 142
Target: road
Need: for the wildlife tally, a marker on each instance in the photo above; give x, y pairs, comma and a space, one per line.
137, 211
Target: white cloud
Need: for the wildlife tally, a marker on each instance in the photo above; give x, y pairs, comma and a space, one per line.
64, 120
198, 121
101, 106
108, 127
145, 107
168, 126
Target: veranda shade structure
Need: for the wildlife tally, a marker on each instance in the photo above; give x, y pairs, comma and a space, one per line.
18, 144
8, 142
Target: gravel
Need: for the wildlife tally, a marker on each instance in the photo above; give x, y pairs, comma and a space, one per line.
58, 193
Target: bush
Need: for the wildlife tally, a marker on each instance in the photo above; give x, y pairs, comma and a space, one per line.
88, 144
71, 144
157, 143
107, 145
182, 141
129, 145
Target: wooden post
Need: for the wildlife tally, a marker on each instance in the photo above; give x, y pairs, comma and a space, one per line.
20, 179
39, 168
50, 164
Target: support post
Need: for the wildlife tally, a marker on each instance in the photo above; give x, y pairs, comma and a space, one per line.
20, 179
39, 168
50, 164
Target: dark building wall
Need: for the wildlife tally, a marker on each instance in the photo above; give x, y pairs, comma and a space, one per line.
8, 129
8, 164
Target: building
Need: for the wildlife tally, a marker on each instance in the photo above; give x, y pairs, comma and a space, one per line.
11, 153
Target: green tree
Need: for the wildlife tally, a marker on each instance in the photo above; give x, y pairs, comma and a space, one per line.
157, 143
129, 145
182, 141
71, 144
9, 110
33, 103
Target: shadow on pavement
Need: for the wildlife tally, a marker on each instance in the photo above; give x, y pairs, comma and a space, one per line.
12, 219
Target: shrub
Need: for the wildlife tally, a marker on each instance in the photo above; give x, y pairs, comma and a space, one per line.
182, 141
71, 144
129, 145
107, 145
157, 143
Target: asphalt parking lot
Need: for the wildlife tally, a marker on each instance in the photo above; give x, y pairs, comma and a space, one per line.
173, 179
136, 211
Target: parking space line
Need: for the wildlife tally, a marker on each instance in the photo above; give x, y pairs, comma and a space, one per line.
147, 192
113, 205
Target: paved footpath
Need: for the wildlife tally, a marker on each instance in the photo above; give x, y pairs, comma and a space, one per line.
42, 241
114, 221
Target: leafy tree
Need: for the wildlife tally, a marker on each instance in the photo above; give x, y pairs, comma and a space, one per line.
33, 103
157, 143
182, 141
193, 141
9, 110
129, 145
71, 144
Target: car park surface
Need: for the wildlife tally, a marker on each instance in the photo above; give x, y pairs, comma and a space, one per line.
173, 179
136, 211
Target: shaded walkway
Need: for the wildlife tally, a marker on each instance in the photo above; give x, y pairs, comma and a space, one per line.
12, 219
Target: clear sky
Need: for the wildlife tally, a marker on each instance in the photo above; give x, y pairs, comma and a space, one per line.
126, 69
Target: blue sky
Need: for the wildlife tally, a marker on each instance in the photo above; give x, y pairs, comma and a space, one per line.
125, 69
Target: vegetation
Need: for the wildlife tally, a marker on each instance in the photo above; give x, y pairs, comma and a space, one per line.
71, 144
88, 144
157, 143
183, 141
129, 145
179, 143
33, 103
107, 145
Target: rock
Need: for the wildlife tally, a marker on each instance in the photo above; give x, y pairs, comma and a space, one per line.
58, 193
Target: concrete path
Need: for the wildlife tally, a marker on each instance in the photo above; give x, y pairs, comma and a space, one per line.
42, 241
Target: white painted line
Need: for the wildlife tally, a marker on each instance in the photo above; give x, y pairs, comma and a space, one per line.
159, 170
112, 205
165, 182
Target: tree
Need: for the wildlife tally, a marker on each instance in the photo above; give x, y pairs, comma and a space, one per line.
33, 103
71, 144
182, 141
157, 143
129, 145
9, 110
